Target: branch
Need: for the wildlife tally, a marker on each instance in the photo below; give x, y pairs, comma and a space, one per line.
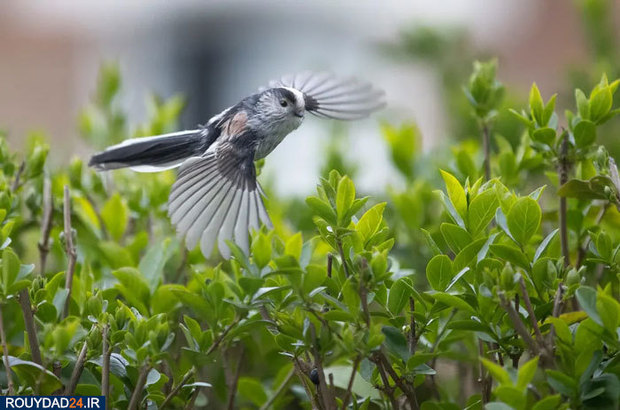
69, 248
46, 224
484, 380
137, 392
328, 400
407, 390
345, 400
330, 262
31, 330
221, 337
232, 379
77, 370
5, 351
105, 366
563, 167
387, 388
412, 337
487, 151
299, 370
16, 182
176, 389
280, 389
518, 324
530, 310
344, 260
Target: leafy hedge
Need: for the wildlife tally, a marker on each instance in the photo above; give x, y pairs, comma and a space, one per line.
496, 288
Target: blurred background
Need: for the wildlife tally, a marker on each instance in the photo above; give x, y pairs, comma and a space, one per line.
214, 53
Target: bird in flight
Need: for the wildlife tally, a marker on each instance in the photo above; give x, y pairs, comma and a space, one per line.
216, 196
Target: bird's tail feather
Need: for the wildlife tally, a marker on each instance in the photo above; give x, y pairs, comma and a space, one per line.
152, 154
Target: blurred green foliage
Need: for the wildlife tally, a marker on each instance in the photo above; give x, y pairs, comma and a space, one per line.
451, 289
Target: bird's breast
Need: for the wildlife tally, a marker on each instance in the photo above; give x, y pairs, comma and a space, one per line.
273, 136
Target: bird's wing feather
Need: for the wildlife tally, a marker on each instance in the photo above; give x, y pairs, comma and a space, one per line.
216, 196
328, 96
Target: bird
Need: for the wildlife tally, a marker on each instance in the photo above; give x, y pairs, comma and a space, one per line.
216, 196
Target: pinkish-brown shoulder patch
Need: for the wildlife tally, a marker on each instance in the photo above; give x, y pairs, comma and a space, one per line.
237, 124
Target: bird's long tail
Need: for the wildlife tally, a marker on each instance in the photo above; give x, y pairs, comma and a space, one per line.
152, 154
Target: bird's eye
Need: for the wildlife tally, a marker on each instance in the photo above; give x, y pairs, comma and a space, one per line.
283, 103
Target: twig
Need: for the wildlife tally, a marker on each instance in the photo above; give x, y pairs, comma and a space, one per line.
5, 351
563, 173
329, 401
344, 261
300, 372
330, 262
192, 400
487, 151
137, 392
46, 224
77, 370
518, 324
387, 388
16, 181
31, 330
105, 366
69, 248
221, 337
484, 380
280, 389
412, 338
345, 400
232, 380
530, 310
407, 390
176, 389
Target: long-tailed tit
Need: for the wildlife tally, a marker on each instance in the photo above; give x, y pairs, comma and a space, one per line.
216, 196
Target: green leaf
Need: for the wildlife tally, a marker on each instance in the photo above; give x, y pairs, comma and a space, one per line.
511, 254
456, 193
586, 296
601, 101
450, 208
252, 389
609, 311
261, 250
583, 105
544, 244
481, 211
456, 237
115, 215
399, 295
35, 376
526, 373
345, 195
439, 272
584, 133
152, 264
133, 287
370, 222
591, 189
524, 219
322, 209
468, 255
498, 372
351, 296
314, 277
545, 135
10, 269
548, 403
536, 105
396, 342
453, 301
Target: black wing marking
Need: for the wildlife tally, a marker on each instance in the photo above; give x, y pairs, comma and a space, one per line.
327, 96
216, 197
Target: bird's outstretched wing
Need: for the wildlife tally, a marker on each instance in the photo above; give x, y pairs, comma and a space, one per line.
328, 96
216, 197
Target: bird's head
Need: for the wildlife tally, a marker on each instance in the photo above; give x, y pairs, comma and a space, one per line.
283, 105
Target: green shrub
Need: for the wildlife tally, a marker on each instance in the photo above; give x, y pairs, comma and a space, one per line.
490, 280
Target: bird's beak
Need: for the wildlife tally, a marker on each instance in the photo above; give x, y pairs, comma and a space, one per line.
299, 113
